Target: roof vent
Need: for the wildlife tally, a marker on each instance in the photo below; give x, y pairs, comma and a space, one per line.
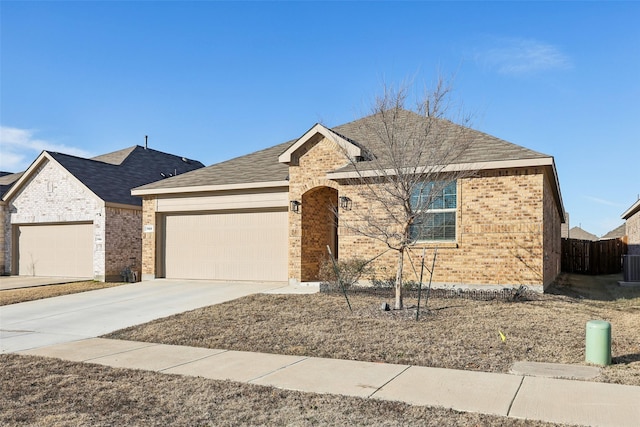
184, 159
146, 141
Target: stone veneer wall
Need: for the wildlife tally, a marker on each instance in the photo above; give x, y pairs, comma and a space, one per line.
633, 234
52, 195
123, 242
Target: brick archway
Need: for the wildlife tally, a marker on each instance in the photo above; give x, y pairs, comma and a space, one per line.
319, 229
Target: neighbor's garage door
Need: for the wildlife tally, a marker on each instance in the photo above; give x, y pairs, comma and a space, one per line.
55, 250
227, 246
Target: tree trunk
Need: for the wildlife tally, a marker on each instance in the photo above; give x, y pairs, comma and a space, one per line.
398, 305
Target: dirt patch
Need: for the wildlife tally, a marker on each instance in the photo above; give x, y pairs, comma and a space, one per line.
39, 391
14, 296
454, 333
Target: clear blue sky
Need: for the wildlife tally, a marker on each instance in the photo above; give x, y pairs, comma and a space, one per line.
214, 80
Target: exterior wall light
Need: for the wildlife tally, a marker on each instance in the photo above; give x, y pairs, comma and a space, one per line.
295, 206
345, 203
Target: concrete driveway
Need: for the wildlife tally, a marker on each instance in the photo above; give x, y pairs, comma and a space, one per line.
16, 282
90, 314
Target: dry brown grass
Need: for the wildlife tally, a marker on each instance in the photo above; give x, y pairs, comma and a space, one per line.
14, 296
455, 333
48, 392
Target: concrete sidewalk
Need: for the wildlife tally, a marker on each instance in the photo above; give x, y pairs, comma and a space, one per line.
509, 395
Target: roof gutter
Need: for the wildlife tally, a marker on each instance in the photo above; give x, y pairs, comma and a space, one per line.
500, 164
632, 210
209, 188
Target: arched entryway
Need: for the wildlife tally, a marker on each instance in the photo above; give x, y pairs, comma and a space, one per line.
319, 229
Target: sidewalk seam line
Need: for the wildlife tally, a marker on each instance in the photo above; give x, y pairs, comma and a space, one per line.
121, 352
279, 369
394, 377
515, 395
192, 361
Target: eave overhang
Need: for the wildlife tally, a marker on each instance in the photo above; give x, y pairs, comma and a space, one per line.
284, 185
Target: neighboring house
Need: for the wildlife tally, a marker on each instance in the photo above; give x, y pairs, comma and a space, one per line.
632, 218
265, 216
580, 234
75, 217
619, 232
7, 179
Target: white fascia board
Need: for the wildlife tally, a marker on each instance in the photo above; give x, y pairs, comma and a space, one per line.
500, 164
351, 149
633, 209
210, 188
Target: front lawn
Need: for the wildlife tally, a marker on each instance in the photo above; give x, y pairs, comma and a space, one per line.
455, 333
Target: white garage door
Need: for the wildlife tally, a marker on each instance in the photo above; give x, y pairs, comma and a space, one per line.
227, 246
55, 250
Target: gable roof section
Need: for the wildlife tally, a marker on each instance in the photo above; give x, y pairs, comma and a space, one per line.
113, 182
635, 208
617, 233
116, 157
350, 147
258, 167
580, 234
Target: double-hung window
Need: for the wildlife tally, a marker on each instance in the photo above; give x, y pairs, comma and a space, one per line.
435, 204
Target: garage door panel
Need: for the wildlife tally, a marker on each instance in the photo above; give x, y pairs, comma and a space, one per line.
58, 250
227, 246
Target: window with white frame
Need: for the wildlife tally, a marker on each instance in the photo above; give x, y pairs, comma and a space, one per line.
436, 204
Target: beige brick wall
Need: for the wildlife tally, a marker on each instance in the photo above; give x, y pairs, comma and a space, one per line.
633, 234
499, 233
123, 242
552, 235
307, 171
3, 268
149, 237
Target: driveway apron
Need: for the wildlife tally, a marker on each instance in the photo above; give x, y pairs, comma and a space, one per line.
90, 314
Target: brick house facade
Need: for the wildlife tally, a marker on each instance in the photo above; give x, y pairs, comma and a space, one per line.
508, 213
632, 217
75, 217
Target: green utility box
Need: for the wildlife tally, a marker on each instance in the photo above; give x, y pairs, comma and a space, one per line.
598, 342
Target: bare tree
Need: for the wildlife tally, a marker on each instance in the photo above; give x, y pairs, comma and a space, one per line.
410, 164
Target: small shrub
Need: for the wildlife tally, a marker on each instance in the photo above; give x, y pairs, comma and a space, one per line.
350, 270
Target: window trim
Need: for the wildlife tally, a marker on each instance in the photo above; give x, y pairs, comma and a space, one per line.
454, 210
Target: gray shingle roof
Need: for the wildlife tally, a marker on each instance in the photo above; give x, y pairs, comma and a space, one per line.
115, 158
481, 147
7, 180
616, 233
263, 166
260, 166
580, 234
113, 181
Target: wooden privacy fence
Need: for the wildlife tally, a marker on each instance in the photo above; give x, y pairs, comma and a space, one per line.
589, 257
